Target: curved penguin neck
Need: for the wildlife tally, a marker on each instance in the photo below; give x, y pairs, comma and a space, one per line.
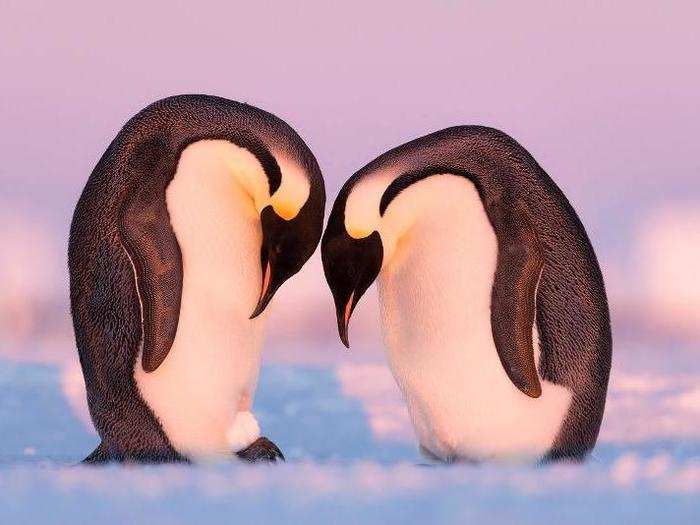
418, 202
246, 169
362, 215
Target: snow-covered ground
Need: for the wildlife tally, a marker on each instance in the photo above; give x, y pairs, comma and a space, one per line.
352, 456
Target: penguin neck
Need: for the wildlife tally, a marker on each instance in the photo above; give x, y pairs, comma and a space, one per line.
362, 215
247, 171
423, 202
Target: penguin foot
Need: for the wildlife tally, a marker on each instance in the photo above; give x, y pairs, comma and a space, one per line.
262, 450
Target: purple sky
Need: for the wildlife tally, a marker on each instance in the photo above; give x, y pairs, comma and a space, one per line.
607, 99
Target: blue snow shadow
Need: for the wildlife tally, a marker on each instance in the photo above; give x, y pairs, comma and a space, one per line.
37, 423
682, 449
303, 410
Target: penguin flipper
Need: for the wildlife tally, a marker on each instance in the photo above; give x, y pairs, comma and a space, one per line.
520, 262
150, 243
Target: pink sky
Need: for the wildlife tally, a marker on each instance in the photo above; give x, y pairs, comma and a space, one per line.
607, 99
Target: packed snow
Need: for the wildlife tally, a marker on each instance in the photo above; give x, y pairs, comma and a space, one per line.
352, 457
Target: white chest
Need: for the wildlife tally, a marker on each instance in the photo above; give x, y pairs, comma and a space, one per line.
435, 300
211, 371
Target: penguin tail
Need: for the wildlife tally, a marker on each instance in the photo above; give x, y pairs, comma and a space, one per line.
99, 455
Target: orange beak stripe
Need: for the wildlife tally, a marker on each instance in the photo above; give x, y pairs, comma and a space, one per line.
266, 279
348, 309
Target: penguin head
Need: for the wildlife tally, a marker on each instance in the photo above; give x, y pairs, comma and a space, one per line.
351, 264
287, 243
361, 239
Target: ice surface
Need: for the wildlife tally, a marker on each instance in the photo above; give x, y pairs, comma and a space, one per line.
352, 457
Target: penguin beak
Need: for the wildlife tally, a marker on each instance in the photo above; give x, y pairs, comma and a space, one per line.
344, 319
267, 291
350, 266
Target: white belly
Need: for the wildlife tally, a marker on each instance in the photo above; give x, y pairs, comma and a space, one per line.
435, 298
211, 371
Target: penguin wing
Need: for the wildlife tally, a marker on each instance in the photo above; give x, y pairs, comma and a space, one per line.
150, 243
518, 269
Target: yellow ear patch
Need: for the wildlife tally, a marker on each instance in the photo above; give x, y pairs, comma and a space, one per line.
358, 233
286, 210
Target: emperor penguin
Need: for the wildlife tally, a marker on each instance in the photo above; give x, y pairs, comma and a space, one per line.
493, 306
198, 211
